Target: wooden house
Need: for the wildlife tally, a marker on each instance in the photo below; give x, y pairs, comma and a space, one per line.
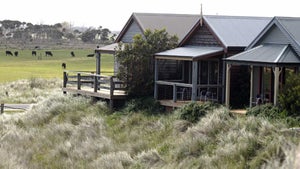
175, 24
270, 56
195, 71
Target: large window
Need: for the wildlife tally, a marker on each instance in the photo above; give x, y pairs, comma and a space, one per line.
209, 72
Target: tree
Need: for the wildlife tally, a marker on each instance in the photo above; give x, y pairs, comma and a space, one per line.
136, 60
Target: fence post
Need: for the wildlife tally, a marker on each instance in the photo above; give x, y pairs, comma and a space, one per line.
65, 80
2, 108
112, 86
78, 81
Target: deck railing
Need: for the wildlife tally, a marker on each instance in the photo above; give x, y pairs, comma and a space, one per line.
91, 80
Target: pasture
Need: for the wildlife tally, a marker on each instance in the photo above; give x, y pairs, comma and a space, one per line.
25, 66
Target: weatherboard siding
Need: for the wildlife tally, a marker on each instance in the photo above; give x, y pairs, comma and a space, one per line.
274, 35
203, 37
132, 30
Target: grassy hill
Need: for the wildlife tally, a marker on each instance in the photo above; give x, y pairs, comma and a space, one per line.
62, 131
26, 66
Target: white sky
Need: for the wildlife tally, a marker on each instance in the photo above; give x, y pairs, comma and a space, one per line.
113, 14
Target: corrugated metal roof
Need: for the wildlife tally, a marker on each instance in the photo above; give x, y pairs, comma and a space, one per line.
190, 52
109, 48
175, 24
236, 31
267, 54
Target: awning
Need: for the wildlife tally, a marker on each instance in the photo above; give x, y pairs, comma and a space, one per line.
190, 53
267, 54
110, 49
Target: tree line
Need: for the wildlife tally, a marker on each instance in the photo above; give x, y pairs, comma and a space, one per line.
16, 30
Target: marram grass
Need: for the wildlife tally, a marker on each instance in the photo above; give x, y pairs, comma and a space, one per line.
62, 131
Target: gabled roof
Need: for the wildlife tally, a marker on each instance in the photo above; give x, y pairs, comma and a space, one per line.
233, 31
267, 54
289, 26
175, 24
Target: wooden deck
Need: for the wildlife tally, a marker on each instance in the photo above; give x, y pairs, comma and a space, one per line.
93, 85
177, 104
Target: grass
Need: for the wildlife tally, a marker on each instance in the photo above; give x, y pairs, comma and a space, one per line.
62, 131
25, 66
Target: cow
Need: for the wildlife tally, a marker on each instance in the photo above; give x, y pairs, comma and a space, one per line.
64, 65
48, 53
90, 55
8, 53
16, 53
72, 54
33, 53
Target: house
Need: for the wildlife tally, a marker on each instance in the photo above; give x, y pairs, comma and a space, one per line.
175, 24
195, 71
270, 56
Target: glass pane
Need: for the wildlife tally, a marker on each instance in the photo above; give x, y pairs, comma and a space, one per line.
204, 72
213, 72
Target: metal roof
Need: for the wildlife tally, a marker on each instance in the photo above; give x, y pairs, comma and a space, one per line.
189, 53
175, 24
272, 54
236, 31
109, 48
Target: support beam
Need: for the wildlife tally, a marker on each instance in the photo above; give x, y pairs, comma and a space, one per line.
276, 72
227, 92
155, 78
251, 86
98, 62
194, 80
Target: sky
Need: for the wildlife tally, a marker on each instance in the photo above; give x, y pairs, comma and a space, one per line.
113, 14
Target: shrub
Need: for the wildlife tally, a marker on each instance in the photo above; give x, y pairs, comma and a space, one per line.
147, 104
193, 111
289, 98
267, 110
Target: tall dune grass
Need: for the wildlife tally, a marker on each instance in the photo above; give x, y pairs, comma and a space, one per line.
62, 131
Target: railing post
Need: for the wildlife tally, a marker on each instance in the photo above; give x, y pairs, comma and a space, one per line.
174, 93
78, 81
2, 108
95, 83
112, 86
65, 81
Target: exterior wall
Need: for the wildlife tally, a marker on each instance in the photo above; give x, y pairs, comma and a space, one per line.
132, 30
202, 37
274, 35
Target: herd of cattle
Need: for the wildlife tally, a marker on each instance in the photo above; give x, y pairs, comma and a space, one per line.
34, 53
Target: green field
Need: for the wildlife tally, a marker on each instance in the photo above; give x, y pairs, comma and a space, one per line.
25, 66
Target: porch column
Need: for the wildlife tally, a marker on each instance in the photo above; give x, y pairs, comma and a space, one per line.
155, 78
276, 72
227, 93
251, 86
98, 62
194, 80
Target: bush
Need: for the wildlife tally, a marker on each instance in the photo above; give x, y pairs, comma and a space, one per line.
193, 111
147, 104
289, 98
266, 110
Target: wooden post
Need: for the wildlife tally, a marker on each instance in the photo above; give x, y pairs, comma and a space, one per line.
65, 81
194, 80
155, 78
78, 81
95, 83
112, 86
98, 62
174, 93
251, 86
277, 72
227, 92
2, 108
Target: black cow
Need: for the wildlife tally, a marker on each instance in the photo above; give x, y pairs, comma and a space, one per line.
8, 53
48, 53
90, 55
16, 53
72, 54
33, 53
64, 65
